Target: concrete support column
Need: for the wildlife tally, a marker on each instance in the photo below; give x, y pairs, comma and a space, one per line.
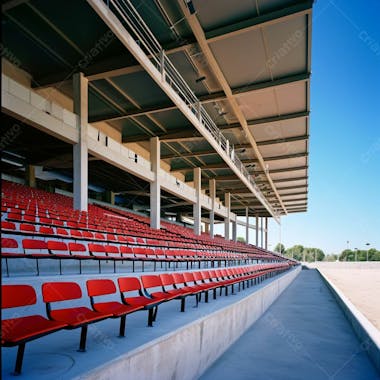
257, 231
207, 228
30, 176
266, 233
197, 204
80, 151
227, 204
155, 188
212, 185
110, 197
262, 232
247, 225
234, 231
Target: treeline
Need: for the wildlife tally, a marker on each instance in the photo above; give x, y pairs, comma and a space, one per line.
301, 253
360, 255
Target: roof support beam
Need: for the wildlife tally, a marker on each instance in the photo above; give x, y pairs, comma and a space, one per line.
249, 195
207, 98
222, 165
263, 20
292, 187
191, 135
234, 178
291, 179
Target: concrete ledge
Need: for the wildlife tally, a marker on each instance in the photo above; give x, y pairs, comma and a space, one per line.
367, 333
187, 352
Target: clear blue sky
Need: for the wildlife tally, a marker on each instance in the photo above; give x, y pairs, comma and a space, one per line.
344, 174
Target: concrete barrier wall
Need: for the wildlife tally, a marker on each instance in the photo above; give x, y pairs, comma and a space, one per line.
187, 352
367, 333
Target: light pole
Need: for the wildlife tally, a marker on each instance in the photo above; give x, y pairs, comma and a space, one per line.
367, 244
356, 254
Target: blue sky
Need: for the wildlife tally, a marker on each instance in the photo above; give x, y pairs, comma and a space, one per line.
344, 174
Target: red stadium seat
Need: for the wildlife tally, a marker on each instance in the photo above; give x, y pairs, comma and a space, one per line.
8, 226
76, 234
129, 284
18, 331
28, 228
62, 232
153, 281
46, 230
88, 235
73, 317
167, 280
99, 287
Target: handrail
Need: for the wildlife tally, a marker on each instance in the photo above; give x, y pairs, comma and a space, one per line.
129, 17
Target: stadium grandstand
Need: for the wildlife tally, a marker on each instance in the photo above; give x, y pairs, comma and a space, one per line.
132, 129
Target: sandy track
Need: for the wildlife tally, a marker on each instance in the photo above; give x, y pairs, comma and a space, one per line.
360, 286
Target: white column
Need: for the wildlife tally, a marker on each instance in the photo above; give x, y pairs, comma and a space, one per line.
155, 188
30, 175
257, 231
197, 204
80, 151
227, 204
247, 225
262, 232
266, 233
212, 185
234, 230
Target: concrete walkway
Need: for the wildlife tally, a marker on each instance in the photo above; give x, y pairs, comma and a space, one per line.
303, 335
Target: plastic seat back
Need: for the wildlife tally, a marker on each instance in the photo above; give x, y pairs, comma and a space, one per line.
127, 284
197, 276
76, 247
17, 295
88, 234
126, 251
100, 287
27, 227
46, 230
58, 246
60, 291
62, 232
34, 245
112, 251
8, 226
178, 278
99, 236
8, 243
151, 281
189, 277
167, 279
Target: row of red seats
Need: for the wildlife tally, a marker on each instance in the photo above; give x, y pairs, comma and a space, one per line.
18, 331
58, 209
53, 249
30, 229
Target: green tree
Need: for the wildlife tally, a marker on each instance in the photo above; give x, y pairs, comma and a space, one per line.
331, 257
241, 239
280, 248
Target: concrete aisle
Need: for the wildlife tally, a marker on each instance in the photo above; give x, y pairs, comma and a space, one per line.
303, 335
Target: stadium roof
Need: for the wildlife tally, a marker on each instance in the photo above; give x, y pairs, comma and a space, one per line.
247, 62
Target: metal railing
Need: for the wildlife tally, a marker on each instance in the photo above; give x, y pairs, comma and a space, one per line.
131, 19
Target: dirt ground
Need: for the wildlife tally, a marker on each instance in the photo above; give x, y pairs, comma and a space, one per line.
361, 287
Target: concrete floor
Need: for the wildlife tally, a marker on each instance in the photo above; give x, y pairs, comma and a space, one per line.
303, 335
